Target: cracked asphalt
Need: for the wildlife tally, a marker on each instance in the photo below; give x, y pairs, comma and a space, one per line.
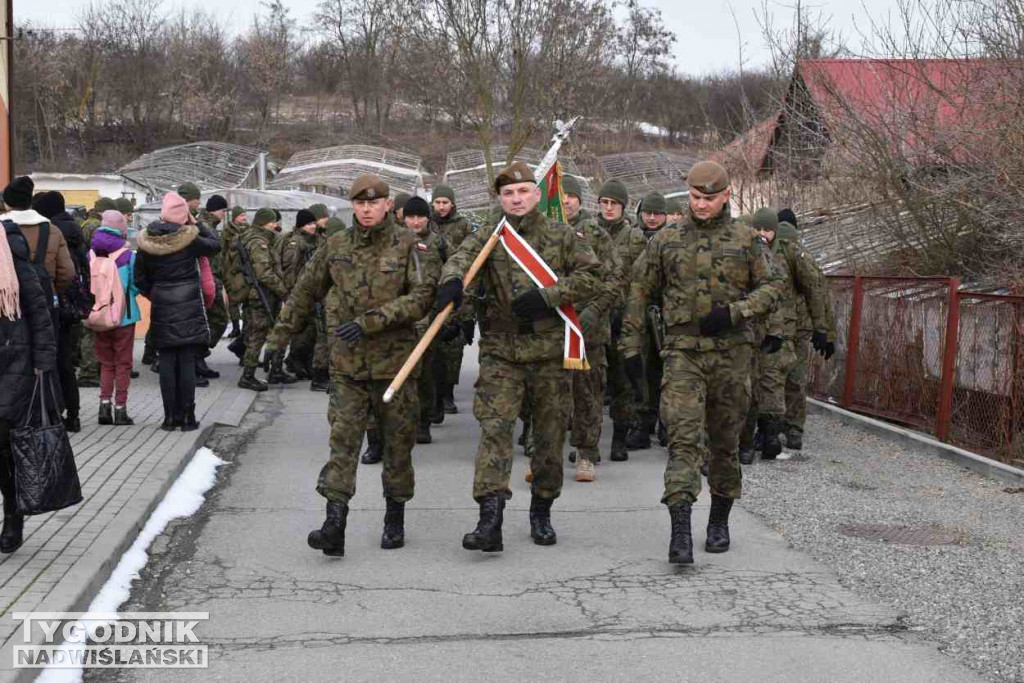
602, 604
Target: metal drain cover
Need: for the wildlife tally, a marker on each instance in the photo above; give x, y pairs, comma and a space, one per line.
901, 535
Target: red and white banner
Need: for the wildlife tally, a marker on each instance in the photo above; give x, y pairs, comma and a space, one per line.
530, 261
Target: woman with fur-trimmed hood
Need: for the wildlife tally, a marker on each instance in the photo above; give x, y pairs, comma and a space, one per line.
168, 273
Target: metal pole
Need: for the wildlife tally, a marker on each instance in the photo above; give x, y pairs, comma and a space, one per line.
262, 171
7, 163
853, 342
949, 353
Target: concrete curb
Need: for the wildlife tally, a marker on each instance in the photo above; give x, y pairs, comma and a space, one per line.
972, 461
74, 593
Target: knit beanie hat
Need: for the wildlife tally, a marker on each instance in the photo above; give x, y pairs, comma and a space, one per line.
189, 191
766, 219
113, 218
304, 217
104, 204
264, 216
653, 203
417, 206
236, 211
787, 216
571, 185
124, 205
443, 191
174, 209
216, 203
400, 199
673, 205
18, 194
614, 189
49, 204
320, 211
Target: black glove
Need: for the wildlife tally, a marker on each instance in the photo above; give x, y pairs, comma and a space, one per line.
468, 331
349, 331
830, 350
771, 344
819, 340
617, 326
449, 331
635, 373
530, 305
449, 292
716, 322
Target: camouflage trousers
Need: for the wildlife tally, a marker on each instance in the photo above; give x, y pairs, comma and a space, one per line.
450, 355
767, 388
588, 404
501, 389
351, 404
796, 383
427, 384
623, 409
303, 344
88, 365
257, 326
705, 397
322, 348
217, 317
235, 312
653, 371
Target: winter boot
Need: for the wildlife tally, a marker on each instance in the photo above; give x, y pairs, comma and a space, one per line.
540, 521
248, 381
718, 525
619, 452
394, 526
11, 536
237, 347
204, 370
438, 416
423, 433
638, 438
330, 537
278, 375
487, 534
106, 413
794, 439
121, 416
374, 448
155, 367
449, 400
704, 469
680, 547
202, 382
71, 423
190, 424
769, 427
148, 355
746, 456
171, 421
236, 330
321, 381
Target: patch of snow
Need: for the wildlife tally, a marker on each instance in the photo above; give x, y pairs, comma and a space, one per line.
651, 129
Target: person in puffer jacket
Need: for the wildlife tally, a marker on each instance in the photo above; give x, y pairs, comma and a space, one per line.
114, 347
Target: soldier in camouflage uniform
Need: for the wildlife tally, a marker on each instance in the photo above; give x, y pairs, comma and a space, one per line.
266, 269
673, 211
378, 280
217, 315
235, 226
820, 336
234, 281
522, 342
88, 366
294, 251
714, 279
595, 319
321, 353
613, 198
459, 332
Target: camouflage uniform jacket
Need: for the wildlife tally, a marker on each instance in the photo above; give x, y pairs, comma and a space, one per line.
504, 335
216, 261
803, 296
266, 268
383, 278
697, 266
595, 314
453, 230
629, 243
294, 251
438, 247
91, 223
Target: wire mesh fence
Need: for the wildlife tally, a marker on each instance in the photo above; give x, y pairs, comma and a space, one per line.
918, 351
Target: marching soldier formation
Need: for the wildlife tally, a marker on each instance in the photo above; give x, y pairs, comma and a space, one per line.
690, 324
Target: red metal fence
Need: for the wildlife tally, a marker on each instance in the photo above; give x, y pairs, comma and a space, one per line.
920, 352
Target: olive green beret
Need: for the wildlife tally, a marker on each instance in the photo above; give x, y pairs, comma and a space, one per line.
614, 189
653, 203
124, 205
443, 191
369, 186
517, 172
766, 219
335, 225
104, 204
188, 191
673, 205
264, 216
708, 177
571, 185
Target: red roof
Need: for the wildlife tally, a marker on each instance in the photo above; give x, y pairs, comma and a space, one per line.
745, 155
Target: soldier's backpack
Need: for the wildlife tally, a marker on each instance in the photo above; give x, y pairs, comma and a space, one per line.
108, 309
235, 283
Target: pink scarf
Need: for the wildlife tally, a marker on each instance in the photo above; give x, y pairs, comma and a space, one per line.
10, 303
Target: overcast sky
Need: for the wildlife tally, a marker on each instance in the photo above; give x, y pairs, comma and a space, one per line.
706, 31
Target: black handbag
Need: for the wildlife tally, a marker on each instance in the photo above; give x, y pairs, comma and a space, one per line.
45, 475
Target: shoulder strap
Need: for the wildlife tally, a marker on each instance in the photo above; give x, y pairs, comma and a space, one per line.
42, 244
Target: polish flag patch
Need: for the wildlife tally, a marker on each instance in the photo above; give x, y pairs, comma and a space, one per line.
421, 246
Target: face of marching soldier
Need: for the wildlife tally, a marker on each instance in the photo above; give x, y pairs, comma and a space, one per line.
707, 206
768, 235
193, 205
572, 206
611, 210
242, 219
674, 218
653, 221
519, 199
418, 224
321, 223
442, 207
370, 212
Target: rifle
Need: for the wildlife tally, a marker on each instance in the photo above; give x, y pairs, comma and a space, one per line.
250, 277
657, 323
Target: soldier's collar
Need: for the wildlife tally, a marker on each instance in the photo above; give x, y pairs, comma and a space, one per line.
723, 217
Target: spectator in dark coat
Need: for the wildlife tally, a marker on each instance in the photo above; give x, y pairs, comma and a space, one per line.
27, 347
167, 272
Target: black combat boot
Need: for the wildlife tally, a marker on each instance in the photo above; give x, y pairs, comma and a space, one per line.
541, 530
297, 368
638, 438
134, 374
14, 524
487, 534
202, 382
680, 547
794, 439
619, 452
438, 415
423, 432
148, 355
71, 423
106, 416
155, 367
248, 381
171, 421
205, 371
236, 329
189, 422
374, 448
769, 428
718, 525
704, 469
121, 416
449, 400
746, 455
394, 525
237, 346
321, 381
277, 374
330, 537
